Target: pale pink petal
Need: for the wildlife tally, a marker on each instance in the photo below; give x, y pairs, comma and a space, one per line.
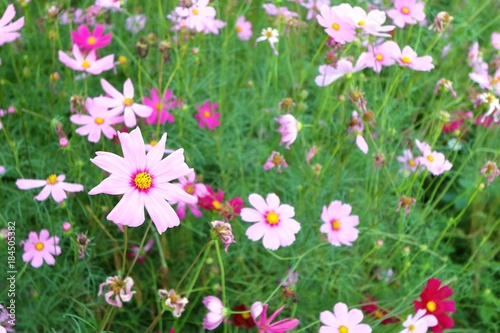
161, 213
172, 167
271, 241
273, 201
49, 259
70, 187
128, 89
142, 111
37, 260
81, 119
328, 318
110, 90
113, 163
133, 148
44, 194
156, 153
173, 193
70, 62
58, 193
251, 215
258, 202
130, 210
9, 14
355, 316
27, 184
256, 231
104, 64
115, 184
129, 117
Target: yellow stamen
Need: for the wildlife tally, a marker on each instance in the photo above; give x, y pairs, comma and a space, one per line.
343, 329
239, 29
412, 163
122, 60
91, 40
39, 246
379, 57
361, 23
99, 120
85, 64
159, 106
336, 26
272, 218
206, 114
335, 224
216, 205
411, 328
431, 306
143, 180
195, 11
52, 179
378, 314
405, 60
189, 188
430, 158
405, 10
128, 101
153, 143
245, 315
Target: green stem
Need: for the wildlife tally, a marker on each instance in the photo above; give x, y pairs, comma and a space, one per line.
222, 277
140, 249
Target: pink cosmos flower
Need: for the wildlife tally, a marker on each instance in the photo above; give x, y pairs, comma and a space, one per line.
110, 4
224, 231
329, 74
275, 160
198, 190
119, 102
490, 171
272, 10
420, 323
409, 58
312, 7
337, 22
87, 41
173, 301
380, 56
199, 16
38, 249
259, 315
243, 28
207, 116
143, 179
342, 320
339, 225
215, 314
270, 35
118, 290
8, 30
99, 120
160, 107
407, 12
89, 64
371, 23
410, 164
356, 126
434, 161
495, 40
54, 185
289, 128
273, 222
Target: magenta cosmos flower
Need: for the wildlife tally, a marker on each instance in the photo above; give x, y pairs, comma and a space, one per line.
243, 28
207, 116
144, 180
273, 222
188, 185
259, 315
8, 30
160, 107
119, 102
89, 64
407, 12
339, 225
118, 290
54, 185
216, 312
342, 320
38, 249
99, 120
90, 41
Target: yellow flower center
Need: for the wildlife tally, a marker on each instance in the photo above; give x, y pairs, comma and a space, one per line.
405, 10
245, 315
335, 224
272, 218
122, 60
52, 179
411, 328
195, 11
361, 23
117, 285
268, 33
153, 143
99, 120
143, 180
336, 26
431, 306
430, 158
91, 40
128, 101
39, 246
405, 59
277, 159
343, 329
379, 57
216, 204
189, 188
239, 29
206, 114
85, 64
159, 107
412, 163
378, 314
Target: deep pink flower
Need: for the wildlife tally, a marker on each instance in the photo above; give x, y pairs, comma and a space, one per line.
8, 30
99, 120
207, 116
188, 185
337, 22
54, 185
273, 222
456, 122
216, 312
135, 251
259, 315
407, 12
119, 102
289, 128
118, 290
38, 249
243, 28
89, 64
342, 320
87, 41
339, 224
161, 106
144, 180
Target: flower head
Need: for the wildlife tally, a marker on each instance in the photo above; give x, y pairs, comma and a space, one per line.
172, 301
144, 180
433, 300
342, 320
86, 41
273, 222
189, 185
410, 164
344, 67
125, 103
434, 161
275, 160
263, 323
243, 28
380, 56
337, 22
6, 322
216, 312
370, 306
54, 185
224, 231
339, 224
89, 63
117, 290
41, 248
207, 116
8, 29
135, 23
271, 35
160, 107
409, 58
136, 251
407, 12
289, 128
405, 202
243, 319
420, 323
490, 171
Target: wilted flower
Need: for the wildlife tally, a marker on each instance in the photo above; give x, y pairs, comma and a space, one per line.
275, 160
223, 231
135, 251
216, 312
289, 128
490, 171
442, 20
173, 302
406, 202
118, 290
447, 85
